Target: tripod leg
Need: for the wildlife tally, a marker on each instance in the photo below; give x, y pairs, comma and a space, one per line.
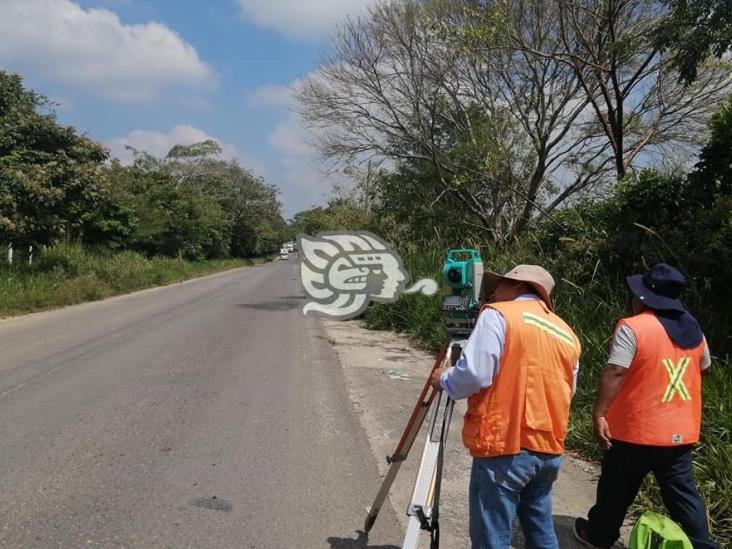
405, 443
424, 509
455, 351
419, 510
434, 498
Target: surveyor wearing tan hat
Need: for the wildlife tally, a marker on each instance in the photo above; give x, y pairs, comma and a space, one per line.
518, 371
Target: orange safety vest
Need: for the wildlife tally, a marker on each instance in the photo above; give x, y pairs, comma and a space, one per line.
659, 402
527, 405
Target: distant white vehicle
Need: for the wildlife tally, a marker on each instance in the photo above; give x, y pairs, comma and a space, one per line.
284, 254
290, 246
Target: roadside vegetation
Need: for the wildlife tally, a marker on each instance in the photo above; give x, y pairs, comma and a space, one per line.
593, 138
77, 226
68, 274
59, 186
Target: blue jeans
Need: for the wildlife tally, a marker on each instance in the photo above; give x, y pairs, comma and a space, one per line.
506, 486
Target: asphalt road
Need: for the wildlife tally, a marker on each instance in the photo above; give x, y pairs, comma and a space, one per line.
206, 414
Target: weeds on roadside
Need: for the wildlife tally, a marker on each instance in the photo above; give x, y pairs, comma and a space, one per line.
67, 274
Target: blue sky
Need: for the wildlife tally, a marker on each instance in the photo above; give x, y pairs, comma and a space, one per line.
153, 73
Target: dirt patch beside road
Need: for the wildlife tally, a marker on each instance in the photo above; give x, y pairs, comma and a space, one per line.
384, 374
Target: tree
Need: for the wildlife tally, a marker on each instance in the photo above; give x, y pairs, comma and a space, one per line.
393, 90
250, 205
633, 90
514, 106
715, 159
339, 214
310, 222
51, 181
694, 31
170, 221
544, 96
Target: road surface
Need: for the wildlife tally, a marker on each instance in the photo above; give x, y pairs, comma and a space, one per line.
206, 414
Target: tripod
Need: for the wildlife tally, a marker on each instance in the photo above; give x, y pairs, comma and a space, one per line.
423, 510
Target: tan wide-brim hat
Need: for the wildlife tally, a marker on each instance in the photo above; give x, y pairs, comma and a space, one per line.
537, 276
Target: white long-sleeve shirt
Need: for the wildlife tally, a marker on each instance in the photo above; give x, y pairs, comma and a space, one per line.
481, 358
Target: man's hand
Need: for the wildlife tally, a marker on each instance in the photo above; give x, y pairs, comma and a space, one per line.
435, 378
610, 383
602, 430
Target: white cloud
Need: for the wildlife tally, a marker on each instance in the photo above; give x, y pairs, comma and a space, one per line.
303, 186
301, 175
299, 172
192, 102
158, 144
93, 50
304, 19
271, 95
290, 139
300, 178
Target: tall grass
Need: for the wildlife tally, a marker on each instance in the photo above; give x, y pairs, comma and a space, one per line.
67, 274
417, 315
591, 308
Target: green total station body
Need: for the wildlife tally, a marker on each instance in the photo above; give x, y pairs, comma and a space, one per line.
462, 275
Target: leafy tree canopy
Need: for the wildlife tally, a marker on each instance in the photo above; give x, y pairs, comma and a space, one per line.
695, 30
50, 176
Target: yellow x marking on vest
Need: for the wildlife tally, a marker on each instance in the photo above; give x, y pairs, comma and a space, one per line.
676, 379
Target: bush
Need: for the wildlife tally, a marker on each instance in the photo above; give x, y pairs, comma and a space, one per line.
68, 260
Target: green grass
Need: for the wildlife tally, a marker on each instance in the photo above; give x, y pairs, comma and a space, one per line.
416, 315
591, 308
68, 274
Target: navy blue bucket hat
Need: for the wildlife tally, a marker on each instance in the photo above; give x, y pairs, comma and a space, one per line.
659, 289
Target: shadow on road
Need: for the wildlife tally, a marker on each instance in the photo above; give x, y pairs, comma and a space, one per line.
360, 542
562, 524
563, 527
287, 303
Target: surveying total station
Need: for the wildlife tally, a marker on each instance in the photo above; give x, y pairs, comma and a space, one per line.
462, 276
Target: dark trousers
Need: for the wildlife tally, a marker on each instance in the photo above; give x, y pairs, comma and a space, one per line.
624, 467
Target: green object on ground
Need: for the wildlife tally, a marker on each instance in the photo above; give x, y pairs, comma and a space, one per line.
656, 531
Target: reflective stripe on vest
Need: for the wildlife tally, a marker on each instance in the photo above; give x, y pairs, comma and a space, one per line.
659, 401
527, 406
549, 327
